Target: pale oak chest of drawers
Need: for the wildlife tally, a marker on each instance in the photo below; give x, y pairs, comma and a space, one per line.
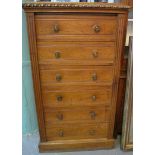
76, 51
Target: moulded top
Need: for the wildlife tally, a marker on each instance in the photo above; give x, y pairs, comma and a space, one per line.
46, 4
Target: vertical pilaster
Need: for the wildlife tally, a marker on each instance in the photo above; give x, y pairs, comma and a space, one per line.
35, 74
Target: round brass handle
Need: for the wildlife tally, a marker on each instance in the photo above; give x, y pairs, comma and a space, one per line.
57, 55
92, 132
95, 54
93, 114
94, 98
58, 77
96, 28
59, 98
61, 133
56, 28
94, 77
59, 117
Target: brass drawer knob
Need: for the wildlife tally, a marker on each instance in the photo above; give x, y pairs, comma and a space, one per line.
57, 55
94, 98
58, 77
59, 98
96, 28
56, 28
59, 117
94, 77
92, 132
95, 54
61, 133
93, 114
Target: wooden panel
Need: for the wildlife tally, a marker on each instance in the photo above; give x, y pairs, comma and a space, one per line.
76, 74
77, 131
70, 53
78, 115
74, 25
76, 98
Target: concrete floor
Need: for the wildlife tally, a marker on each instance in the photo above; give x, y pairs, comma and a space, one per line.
30, 147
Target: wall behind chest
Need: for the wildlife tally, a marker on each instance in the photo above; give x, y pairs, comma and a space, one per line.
29, 119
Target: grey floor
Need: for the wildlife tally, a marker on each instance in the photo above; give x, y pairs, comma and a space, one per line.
30, 147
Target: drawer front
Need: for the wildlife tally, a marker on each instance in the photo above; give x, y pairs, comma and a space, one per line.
76, 98
77, 74
68, 53
77, 131
78, 114
75, 25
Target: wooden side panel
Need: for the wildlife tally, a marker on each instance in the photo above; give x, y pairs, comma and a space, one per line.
121, 32
35, 74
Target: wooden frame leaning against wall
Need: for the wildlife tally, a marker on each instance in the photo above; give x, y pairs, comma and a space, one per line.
127, 133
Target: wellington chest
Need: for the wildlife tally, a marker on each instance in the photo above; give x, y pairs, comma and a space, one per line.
76, 51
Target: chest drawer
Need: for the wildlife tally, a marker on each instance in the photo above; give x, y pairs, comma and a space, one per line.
77, 131
77, 74
77, 53
76, 98
78, 114
75, 25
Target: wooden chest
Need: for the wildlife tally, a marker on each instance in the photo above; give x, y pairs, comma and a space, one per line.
76, 51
